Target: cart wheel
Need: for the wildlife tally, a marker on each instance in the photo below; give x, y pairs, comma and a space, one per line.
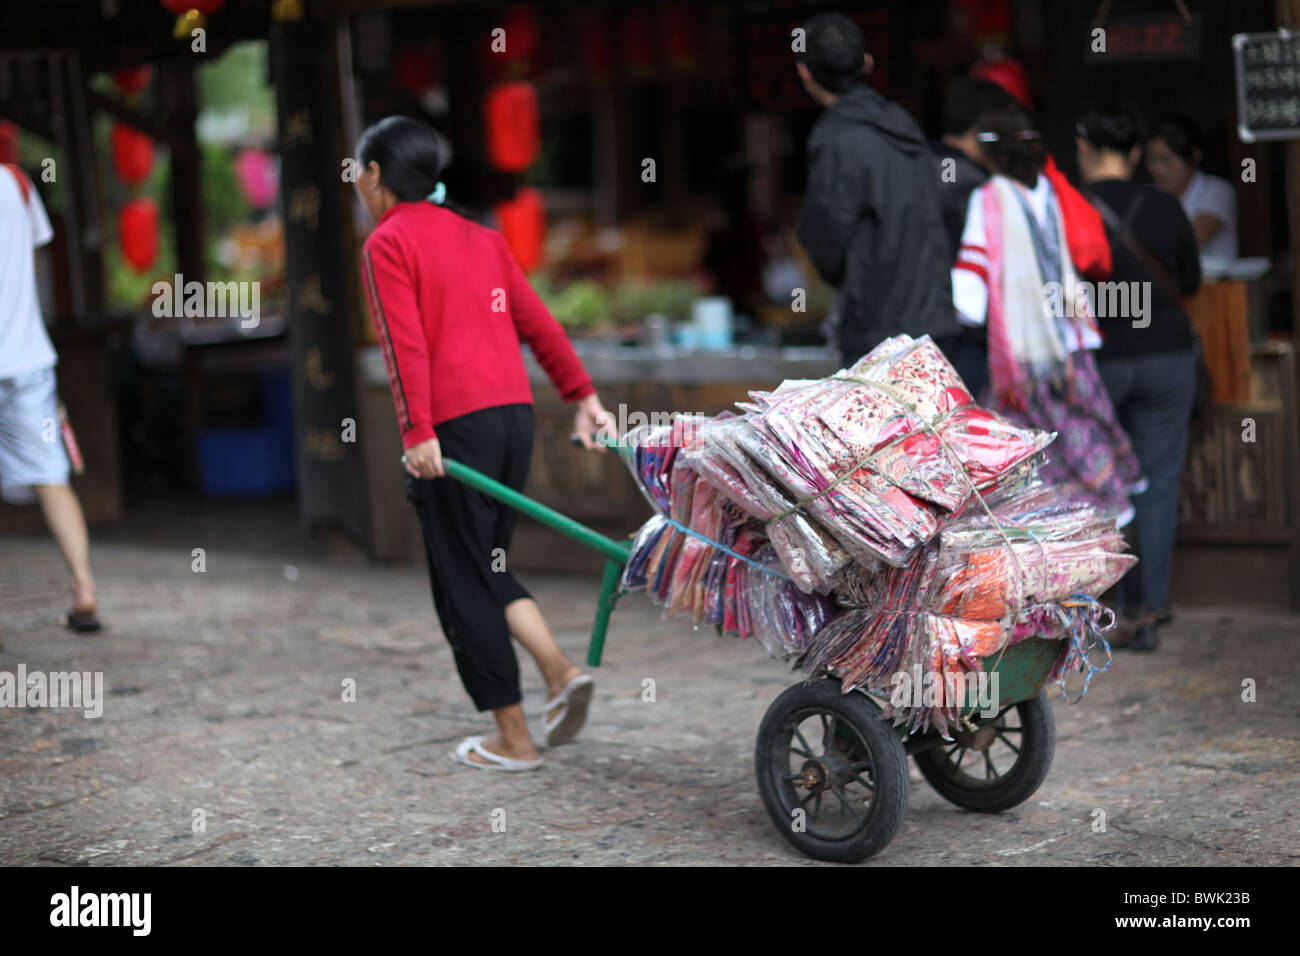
1000, 764
831, 772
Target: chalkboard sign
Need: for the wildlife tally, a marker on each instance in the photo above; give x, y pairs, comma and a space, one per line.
1268, 85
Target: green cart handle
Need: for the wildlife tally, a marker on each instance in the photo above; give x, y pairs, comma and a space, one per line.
616, 552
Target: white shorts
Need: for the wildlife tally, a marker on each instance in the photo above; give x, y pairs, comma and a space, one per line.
31, 441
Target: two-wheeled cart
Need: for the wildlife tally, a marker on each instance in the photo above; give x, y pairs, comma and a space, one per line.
831, 771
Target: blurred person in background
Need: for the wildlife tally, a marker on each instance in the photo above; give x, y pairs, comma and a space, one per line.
450, 307
33, 461
871, 222
1014, 275
1173, 159
1149, 365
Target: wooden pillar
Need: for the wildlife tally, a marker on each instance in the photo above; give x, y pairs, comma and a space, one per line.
331, 476
85, 228
178, 100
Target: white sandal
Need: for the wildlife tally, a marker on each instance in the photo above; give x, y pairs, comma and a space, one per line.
496, 761
573, 702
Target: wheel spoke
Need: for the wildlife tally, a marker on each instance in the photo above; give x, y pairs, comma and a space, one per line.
860, 765
990, 772
798, 733
1008, 743
960, 758
835, 790
955, 748
871, 787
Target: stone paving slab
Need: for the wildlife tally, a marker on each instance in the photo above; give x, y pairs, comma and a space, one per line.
223, 694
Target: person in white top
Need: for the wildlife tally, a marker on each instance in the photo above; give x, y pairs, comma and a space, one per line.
1014, 275
33, 462
1173, 158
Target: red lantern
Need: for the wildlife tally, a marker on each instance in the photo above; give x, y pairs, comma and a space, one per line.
132, 154
680, 35
180, 7
523, 223
191, 14
522, 34
137, 232
638, 38
415, 69
595, 45
131, 80
514, 127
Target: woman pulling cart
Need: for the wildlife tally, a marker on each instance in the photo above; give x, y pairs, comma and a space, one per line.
450, 306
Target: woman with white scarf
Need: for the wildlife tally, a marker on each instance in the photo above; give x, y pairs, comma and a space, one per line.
1014, 275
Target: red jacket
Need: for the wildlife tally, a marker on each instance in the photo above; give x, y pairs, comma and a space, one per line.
450, 306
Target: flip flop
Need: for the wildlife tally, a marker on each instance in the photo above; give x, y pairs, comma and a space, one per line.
498, 762
83, 621
574, 701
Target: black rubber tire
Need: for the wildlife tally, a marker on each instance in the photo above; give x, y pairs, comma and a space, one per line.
1014, 787
884, 749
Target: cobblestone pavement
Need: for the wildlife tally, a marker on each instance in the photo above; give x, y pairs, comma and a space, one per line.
223, 694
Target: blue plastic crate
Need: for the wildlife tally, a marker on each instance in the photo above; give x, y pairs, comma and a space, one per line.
246, 462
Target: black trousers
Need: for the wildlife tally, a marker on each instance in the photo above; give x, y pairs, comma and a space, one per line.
466, 536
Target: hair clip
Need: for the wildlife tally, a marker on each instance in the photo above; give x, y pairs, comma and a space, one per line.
438, 195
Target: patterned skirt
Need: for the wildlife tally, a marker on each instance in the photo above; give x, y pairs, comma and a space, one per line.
1091, 449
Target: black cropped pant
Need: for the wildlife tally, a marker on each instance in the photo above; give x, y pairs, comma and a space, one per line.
466, 536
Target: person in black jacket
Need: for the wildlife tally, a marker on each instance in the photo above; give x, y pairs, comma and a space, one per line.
1148, 361
871, 222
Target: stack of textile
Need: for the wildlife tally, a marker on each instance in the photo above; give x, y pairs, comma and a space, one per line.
870, 521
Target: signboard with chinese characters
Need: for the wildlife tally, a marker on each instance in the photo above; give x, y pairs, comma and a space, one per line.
1145, 38
330, 467
1268, 85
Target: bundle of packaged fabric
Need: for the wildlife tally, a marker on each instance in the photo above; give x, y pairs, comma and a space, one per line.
704, 555
877, 455
869, 521
1027, 568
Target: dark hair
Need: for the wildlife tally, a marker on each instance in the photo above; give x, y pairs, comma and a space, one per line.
409, 155
1113, 125
968, 101
1180, 132
1013, 144
833, 51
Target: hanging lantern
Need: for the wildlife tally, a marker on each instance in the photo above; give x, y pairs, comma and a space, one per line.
680, 35
137, 232
131, 80
514, 129
595, 46
415, 70
638, 36
132, 154
191, 14
522, 34
523, 223
256, 175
